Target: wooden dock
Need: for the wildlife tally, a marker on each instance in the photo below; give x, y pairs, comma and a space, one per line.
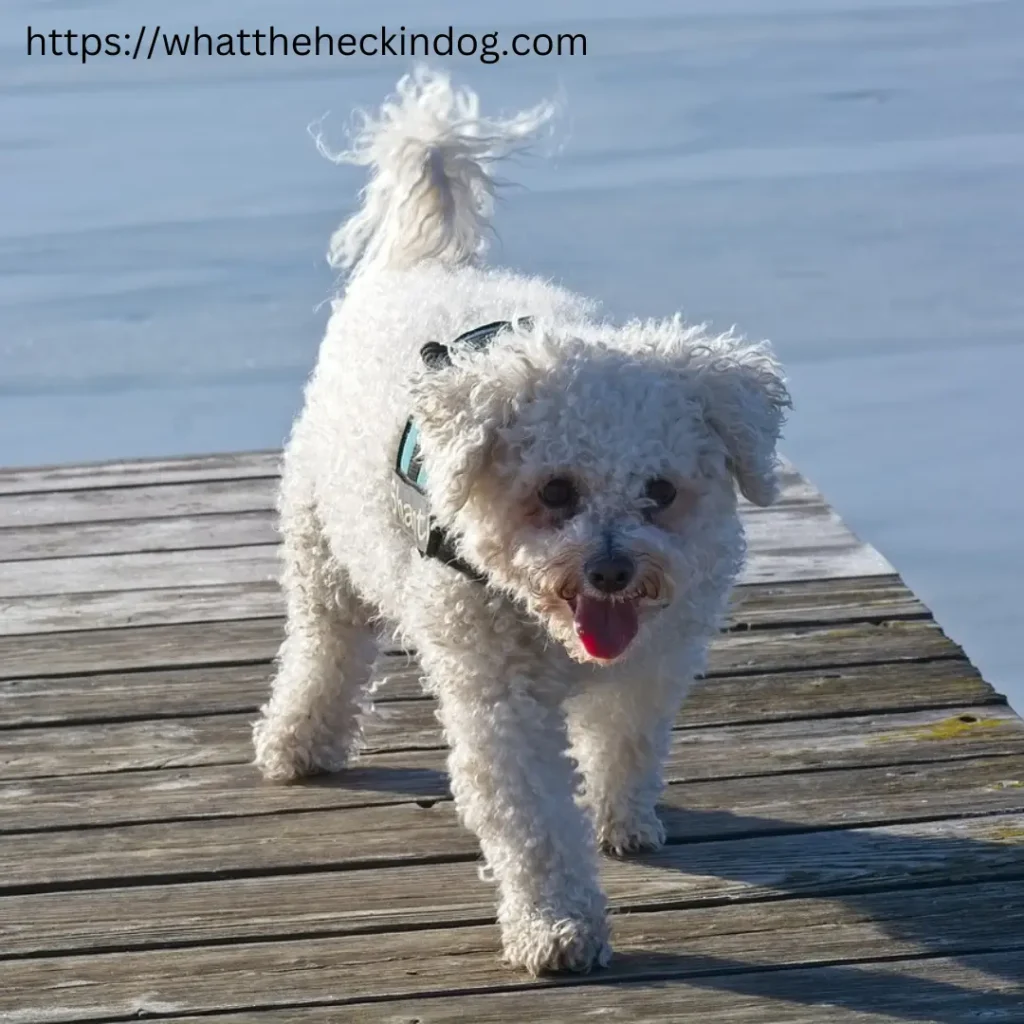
845, 808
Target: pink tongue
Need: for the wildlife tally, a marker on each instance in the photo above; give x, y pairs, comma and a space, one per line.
605, 628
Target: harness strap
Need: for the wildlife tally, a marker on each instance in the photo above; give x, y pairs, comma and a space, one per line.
438, 356
409, 480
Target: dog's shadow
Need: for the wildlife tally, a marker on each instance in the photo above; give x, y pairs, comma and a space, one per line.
425, 786
876, 873
916, 888
862, 989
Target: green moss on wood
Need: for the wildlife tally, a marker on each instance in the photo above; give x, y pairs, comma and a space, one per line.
1007, 834
948, 729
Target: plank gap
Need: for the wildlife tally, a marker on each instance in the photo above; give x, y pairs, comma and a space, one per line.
510, 987
622, 909
138, 484
981, 701
74, 557
383, 863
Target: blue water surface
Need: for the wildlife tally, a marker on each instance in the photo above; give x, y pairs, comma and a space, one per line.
842, 176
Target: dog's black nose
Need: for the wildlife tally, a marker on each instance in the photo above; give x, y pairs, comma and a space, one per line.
610, 573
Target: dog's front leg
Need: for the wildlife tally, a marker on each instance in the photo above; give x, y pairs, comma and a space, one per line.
621, 729
514, 787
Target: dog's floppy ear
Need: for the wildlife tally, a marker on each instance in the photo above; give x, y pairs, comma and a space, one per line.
743, 392
459, 409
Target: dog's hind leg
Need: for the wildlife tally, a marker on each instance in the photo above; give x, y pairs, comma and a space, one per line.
311, 722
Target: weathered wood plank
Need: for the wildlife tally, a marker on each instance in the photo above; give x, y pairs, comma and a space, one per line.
779, 694
787, 543
365, 835
219, 466
220, 602
224, 739
821, 602
155, 500
805, 602
774, 696
156, 693
112, 650
413, 726
847, 796
964, 989
133, 472
101, 573
227, 643
57, 592
226, 466
753, 863
670, 944
181, 533
805, 542
788, 736
110, 504
777, 531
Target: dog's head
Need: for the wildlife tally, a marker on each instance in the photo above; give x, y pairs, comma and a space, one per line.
594, 480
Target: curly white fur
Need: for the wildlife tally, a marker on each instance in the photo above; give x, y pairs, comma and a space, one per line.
430, 194
554, 750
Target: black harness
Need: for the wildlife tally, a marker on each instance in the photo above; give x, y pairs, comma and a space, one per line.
409, 480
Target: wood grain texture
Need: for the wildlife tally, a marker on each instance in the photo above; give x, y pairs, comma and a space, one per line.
147, 501
779, 531
117, 696
820, 602
986, 784
785, 546
179, 533
43, 590
134, 472
223, 739
191, 498
964, 989
112, 650
758, 840
396, 832
673, 944
226, 466
805, 602
218, 602
786, 542
413, 726
790, 542
249, 641
102, 573
773, 696
843, 801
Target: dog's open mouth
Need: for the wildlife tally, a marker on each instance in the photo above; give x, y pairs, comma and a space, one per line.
605, 627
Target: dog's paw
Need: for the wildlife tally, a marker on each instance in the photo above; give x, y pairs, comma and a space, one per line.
282, 756
544, 946
639, 832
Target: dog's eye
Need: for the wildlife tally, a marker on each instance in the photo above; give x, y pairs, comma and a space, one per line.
662, 492
559, 493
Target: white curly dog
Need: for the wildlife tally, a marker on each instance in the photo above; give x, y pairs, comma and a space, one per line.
545, 508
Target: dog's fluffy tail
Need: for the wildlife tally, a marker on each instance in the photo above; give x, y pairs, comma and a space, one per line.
430, 193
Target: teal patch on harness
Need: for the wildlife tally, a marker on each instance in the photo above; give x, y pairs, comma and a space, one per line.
409, 479
410, 460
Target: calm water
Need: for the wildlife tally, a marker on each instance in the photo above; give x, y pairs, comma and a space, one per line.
843, 177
